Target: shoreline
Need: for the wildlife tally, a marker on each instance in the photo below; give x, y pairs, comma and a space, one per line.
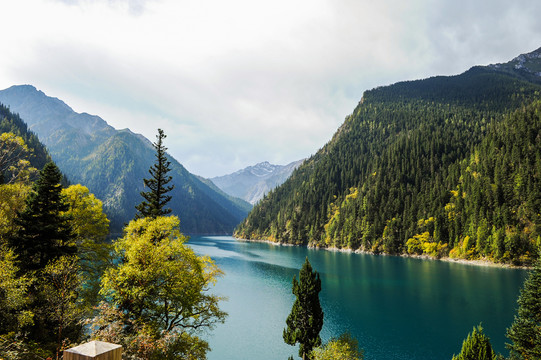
477, 262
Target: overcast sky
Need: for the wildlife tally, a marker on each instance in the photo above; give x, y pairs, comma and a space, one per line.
237, 82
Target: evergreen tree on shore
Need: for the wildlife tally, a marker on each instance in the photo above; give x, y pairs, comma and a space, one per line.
155, 199
525, 332
476, 347
306, 318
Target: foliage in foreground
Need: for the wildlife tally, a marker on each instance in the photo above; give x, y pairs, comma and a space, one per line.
476, 347
158, 294
344, 347
306, 318
525, 332
42, 280
154, 294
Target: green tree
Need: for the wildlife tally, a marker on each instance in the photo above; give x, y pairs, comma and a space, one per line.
14, 155
306, 318
155, 199
60, 287
13, 294
158, 294
88, 221
12, 200
345, 347
44, 232
525, 332
476, 347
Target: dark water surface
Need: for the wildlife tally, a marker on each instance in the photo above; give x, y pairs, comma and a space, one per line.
398, 308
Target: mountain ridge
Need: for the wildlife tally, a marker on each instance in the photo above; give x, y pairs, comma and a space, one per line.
112, 164
526, 65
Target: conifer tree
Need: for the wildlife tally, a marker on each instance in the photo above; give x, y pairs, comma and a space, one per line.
476, 347
44, 231
525, 332
306, 318
155, 199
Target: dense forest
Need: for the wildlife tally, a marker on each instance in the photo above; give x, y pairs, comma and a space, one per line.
441, 166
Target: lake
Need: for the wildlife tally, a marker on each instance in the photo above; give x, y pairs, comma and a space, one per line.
398, 308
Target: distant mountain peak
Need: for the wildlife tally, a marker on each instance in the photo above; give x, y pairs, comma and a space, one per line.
253, 182
28, 90
262, 169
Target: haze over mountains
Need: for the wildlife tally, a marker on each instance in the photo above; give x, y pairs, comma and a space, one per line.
112, 164
253, 182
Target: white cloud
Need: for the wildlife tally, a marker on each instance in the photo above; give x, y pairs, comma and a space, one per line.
238, 82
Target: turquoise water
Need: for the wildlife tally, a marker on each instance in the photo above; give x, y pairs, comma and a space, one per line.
398, 308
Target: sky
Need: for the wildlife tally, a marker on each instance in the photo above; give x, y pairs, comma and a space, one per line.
237, 82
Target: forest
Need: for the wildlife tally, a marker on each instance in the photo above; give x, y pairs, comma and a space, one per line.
63, 282
446, 166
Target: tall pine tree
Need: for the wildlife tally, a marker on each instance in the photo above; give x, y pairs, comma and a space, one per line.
525, 332
156, 198
45, 232
306, 318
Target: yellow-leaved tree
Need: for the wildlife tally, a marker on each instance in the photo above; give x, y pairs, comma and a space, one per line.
345, 347
158, 299
14, 164
12, 199
90, 227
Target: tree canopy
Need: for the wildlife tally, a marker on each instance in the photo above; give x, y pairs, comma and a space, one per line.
159, 290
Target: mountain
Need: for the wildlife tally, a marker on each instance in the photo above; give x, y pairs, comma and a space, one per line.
253, 182
112, 164
417, 168
526, 66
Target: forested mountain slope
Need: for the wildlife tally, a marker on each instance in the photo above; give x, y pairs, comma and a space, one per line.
12, 123
392, 177
112, 164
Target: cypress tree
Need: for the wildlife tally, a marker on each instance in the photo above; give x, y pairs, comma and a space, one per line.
45, 232
306, 318
525, 332
155, 199
476, 347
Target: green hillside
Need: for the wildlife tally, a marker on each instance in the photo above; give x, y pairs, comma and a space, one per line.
390, 173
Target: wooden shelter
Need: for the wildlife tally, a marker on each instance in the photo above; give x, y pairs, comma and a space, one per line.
94, 350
